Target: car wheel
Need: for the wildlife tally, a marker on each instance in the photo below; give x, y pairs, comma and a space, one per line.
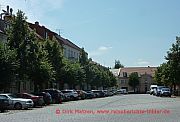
2, 110
18, 106
72, 98
53, 101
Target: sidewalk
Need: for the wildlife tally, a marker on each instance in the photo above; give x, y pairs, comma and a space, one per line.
173, 96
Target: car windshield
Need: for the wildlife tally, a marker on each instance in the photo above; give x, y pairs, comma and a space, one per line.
165, 89
153, 87
66, 91
12, 96
31, 95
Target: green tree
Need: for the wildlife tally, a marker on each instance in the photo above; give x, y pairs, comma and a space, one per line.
83, 59
18, 38
42, 72
73, 73
33, 64
173, 58
54, 55
133, 80
163, 75
118, 64
8, 64
99, 76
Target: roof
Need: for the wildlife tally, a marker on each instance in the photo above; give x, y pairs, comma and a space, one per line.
68, 43
115, 72
140, 70
40, 31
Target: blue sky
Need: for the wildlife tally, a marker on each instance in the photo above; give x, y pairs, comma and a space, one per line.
136, 32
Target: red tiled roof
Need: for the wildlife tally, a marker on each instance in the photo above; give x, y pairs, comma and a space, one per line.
40, 30
139, 70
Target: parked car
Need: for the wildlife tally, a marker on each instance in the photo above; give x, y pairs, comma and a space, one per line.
152, 89
90, 95
81, 94
165, 92
122, 91
70, 94
108, 93
57, 95
18, 103
99, 93
46, 97
38, 100
158, 90
4, 103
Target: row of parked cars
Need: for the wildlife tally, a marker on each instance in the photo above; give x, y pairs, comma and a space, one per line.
160, 91
46, 97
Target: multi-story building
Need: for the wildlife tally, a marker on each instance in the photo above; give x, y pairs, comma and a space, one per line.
70, 50
145, 74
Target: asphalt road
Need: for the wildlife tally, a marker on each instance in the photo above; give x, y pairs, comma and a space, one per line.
123, 108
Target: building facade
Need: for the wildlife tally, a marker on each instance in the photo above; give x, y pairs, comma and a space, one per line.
70, 50
145, 74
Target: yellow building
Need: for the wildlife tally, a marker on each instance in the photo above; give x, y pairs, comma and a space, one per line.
145, 74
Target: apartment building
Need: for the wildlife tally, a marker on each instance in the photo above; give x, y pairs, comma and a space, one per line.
70, 50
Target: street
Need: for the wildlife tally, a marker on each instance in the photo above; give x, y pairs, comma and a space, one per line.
144, 107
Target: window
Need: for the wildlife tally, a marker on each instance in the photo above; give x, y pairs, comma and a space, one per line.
122, 81
65, 52
68, 53
74, 55
46, 35
71, 53
124, 74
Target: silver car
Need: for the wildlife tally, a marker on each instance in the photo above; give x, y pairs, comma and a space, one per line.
70, 94
18, 103
165, 92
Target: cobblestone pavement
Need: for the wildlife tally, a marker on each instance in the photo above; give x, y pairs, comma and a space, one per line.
123, 108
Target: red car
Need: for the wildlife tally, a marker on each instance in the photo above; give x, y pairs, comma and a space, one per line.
38, 100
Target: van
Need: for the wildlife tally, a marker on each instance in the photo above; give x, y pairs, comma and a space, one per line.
152, 89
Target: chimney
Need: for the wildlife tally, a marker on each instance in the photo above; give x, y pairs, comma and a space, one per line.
11, 10
36, 23
7, 10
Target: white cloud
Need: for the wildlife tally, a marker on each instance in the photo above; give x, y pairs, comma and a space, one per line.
103, 48
142, 62
100, 51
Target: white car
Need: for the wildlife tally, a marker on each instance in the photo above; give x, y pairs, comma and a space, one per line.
122, 91
152, 89
18, 103
70, 94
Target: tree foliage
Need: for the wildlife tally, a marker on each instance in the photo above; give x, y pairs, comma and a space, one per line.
133, 80
33, 65
118, 64
169, 73
8, 64
42, 62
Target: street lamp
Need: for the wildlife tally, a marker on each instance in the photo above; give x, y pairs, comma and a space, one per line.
146, 85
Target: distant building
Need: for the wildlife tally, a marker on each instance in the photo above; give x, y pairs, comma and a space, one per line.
3, 25
146, 75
